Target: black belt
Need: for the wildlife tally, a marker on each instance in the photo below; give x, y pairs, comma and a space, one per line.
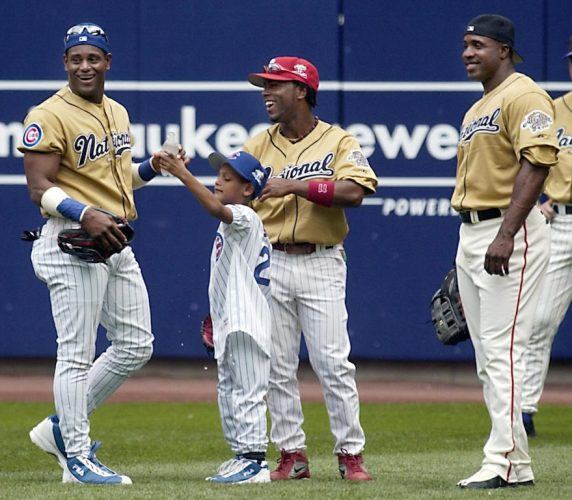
481, 215
297, 248
567, 209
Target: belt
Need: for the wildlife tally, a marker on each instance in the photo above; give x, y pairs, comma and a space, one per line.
562, 209
299, 248
473, 216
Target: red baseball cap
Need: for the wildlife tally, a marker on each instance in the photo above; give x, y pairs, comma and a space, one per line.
286, 69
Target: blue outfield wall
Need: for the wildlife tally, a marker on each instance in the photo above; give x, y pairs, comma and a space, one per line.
391, 73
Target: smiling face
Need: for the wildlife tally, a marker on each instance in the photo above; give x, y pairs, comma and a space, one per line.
231, 188
483, 57
86, 66
282, 100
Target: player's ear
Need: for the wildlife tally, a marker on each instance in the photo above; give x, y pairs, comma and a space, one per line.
301, 91
248, 190
108, 59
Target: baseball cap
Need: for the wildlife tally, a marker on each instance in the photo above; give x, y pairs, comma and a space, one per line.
498, 28
245, 165
569, 54
86, 34
287, 68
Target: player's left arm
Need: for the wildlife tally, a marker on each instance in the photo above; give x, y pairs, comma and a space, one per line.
527, 188
333, 193
353, 179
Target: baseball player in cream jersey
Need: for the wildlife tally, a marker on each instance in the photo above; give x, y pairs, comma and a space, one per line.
239, 296
77, 155
557, 285
317, 169
507, 145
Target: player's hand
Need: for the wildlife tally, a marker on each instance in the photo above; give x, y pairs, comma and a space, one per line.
547, 210
173, 164
498, 255
103, 229
276, 188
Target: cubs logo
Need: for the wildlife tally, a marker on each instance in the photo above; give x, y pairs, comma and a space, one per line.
218, 245
536, 121
32, 135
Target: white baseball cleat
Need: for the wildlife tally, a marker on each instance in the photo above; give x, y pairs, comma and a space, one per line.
241, 471
47, 436
484, 479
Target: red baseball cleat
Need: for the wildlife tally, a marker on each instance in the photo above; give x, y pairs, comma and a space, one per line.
291, 465
352, 468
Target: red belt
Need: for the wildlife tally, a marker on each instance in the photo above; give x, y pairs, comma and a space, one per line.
297, 248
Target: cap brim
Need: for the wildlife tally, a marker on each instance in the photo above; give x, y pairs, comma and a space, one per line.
516, 57
258, 79
566, 56
217, 160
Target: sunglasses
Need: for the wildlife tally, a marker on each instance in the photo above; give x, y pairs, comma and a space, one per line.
91, 29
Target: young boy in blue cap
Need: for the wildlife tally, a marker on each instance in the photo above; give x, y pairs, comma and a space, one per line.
239, 296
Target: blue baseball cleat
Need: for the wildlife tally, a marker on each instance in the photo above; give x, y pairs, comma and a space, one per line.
241, 471
91, 471
528, 425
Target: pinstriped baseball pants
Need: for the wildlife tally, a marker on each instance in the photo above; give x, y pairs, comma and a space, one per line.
243, 373
308, 295
499, 312
82, 297
554, 302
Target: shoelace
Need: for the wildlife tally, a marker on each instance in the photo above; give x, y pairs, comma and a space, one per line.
284, 460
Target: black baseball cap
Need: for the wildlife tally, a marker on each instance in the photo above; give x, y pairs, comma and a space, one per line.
498, 28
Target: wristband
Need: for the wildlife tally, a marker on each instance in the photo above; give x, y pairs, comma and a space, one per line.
56, 202
146, 170
142, 173
321, 192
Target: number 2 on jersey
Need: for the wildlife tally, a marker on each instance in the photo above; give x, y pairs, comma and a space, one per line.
264, 264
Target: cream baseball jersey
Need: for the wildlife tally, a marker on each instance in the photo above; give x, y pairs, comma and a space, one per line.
239, 287
327, 153
559, 184
514, 120
94, 143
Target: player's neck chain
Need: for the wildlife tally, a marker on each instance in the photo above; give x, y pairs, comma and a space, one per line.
303, 136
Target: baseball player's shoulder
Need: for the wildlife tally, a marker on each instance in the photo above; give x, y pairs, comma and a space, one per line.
563, 104
522, 85
255, 144
243, 216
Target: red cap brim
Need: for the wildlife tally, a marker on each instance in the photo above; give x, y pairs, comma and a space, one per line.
259, 78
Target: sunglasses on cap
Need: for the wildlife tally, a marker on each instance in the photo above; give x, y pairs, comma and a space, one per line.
91, 29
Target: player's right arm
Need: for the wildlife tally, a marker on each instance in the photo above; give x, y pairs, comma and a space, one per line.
41, 171
176, 167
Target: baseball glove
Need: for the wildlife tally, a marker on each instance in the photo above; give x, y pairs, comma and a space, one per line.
206, 332
447, 312
80, 244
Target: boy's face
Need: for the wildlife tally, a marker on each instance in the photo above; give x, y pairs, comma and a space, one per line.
231, 188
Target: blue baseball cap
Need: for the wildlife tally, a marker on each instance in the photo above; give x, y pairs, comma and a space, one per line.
86, 34
245, 165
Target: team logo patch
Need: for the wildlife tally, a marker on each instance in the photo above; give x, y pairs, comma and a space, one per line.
357, 157
536, 121
218, 244
32, 135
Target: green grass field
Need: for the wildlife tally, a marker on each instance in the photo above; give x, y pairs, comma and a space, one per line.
413, 450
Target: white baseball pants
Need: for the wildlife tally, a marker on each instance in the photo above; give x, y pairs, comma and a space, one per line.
499, 312
243, 373
308, 295
552, 306
83, 296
